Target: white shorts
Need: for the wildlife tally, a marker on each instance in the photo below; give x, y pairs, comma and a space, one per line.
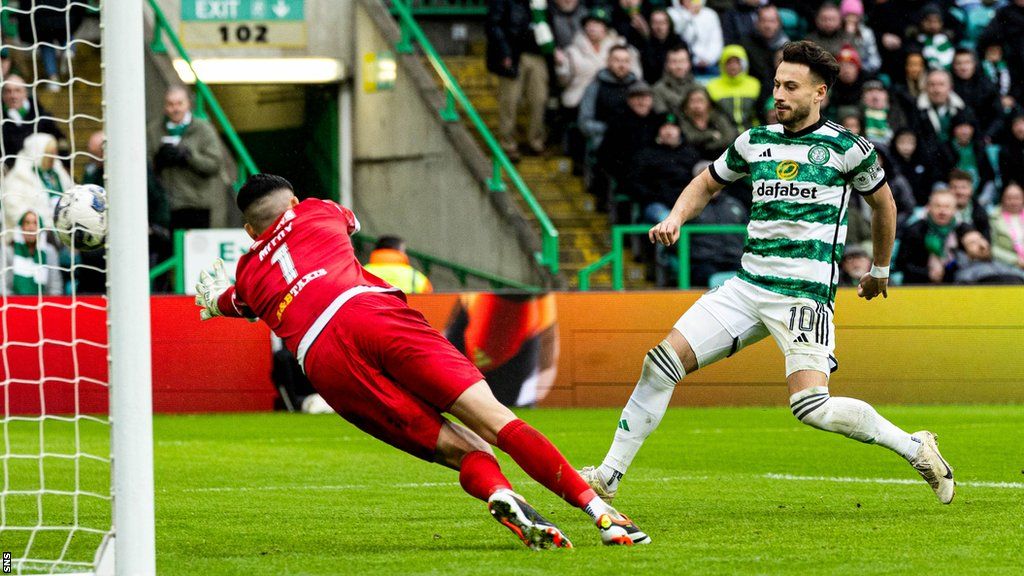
737, 314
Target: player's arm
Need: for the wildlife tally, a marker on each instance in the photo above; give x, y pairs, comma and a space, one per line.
217, 297
883, 230
689, 204
729, 167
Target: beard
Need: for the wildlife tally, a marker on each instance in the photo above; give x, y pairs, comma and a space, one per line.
792, 117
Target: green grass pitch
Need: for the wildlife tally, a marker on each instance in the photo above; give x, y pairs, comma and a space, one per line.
720, 491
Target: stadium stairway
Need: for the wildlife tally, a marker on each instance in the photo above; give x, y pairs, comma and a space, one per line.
584, 233
79, 100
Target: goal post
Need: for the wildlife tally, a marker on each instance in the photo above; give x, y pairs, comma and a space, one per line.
131, 399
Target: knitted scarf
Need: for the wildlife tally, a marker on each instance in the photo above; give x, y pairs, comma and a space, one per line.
51, 181
541, 30
935, 237
876, 124
29, 269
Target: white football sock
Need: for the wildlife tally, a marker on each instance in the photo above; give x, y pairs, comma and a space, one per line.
597, 507
642, 414
851, 418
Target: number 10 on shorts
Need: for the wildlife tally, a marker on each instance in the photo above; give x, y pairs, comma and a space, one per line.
804, 319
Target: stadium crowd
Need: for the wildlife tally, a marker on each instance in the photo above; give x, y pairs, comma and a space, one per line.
641, 94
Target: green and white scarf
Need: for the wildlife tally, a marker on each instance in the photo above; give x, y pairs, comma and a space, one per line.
176, 130
876, 124
936, 236
541, 29
30, 272
51, 181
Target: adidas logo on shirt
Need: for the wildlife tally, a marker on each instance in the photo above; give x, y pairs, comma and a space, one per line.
801, 338
766, 154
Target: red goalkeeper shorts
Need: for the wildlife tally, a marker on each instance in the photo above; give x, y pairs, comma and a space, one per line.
383, 368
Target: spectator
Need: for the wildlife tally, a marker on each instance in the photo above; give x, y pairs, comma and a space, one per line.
1007, 225
888, 19
707, 129
936, 43
850, 119
701, 29
566, 17
35, 182
605, 98
1007, 31
910, 160
937, 107
51, 26
847, 92
628, 19
967, 207
628, 134
902, 192
928, 247
33, 262
22, 117
660, 171
862, 38
515, 52
587, 56
739, 23
186, 156
906, 93
997, 72
978, 93
828, 29
93, 172
881, 120
968, 154
654, 47
390, 263
1011, 156
855, 264
734, 90
762, 44
675, 83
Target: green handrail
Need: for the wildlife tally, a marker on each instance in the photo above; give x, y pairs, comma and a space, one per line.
463, 273
411, 31
615, 257
204, 96
447, 7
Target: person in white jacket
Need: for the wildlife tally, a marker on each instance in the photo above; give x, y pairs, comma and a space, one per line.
578, 65
700, 27
35, 182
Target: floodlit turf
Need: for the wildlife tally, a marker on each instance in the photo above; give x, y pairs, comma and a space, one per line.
721, 491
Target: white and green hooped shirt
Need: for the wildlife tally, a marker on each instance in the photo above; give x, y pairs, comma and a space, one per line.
802, 183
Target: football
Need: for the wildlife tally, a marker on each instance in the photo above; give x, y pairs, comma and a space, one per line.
80, 217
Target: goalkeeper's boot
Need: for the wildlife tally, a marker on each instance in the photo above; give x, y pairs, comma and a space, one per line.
526, 523
620, 531
933, 468
594, 478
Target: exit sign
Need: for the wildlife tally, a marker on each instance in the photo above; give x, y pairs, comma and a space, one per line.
243, 23
242, 10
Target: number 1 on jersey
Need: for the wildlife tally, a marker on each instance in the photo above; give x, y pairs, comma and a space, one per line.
283, 258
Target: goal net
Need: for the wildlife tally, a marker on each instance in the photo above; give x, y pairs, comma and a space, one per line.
58, 494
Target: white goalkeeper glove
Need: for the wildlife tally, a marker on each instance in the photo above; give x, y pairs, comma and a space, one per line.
210, 288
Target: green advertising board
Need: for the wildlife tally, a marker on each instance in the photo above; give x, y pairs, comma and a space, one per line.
243, 23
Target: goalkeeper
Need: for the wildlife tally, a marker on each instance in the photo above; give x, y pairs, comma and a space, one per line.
381, 366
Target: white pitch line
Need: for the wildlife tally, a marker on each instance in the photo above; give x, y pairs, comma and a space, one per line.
324, 488
849, 480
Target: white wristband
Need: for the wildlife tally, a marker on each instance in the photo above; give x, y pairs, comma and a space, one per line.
879, 271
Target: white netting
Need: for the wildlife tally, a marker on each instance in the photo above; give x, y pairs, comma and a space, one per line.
55, 503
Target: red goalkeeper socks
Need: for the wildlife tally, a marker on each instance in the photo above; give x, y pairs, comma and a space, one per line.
539, 458
481, 476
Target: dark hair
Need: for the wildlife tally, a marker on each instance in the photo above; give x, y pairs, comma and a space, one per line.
958, 174
258, 186
389, 243
618, 47
679, 48
961, 51
822, 63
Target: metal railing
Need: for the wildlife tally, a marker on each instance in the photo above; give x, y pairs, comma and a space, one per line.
455, 98
447, 7
204, 96
615, 257
176, 264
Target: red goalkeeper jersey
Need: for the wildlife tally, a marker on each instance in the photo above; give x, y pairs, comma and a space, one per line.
299, 272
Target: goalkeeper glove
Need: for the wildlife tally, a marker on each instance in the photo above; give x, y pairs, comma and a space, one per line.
210, 288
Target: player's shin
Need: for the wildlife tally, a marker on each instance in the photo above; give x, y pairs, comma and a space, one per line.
662, 370
852, 418
539, 458
480, 475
